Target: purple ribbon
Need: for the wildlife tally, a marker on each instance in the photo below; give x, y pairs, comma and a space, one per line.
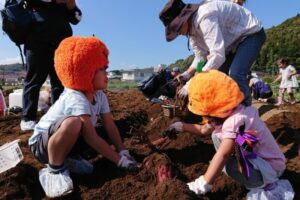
243, 140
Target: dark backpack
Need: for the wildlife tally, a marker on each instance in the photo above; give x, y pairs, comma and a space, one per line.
17, 19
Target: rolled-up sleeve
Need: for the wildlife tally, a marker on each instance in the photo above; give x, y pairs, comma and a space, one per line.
213, 38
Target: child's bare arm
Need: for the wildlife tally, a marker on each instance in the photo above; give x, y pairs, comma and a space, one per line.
112, 131
198, 129
97, 143
219, 160
251, 82
277, 79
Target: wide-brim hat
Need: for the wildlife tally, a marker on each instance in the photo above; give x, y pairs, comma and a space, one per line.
174, 15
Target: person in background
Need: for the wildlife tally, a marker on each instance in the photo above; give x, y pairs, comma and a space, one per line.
240, 2
44, 102
288, 80
160, 86
260, 90
53, 18
168, 90
63, 132
222, 34
245, 148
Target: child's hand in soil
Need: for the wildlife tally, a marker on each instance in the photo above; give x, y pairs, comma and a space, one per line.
127, 164
177, 126
199, 186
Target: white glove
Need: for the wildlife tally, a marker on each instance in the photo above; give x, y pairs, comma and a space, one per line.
185, 76
199, 186
125, 163
127, 155
183, 92
177, 126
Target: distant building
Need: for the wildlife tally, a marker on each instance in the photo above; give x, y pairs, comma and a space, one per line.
135, 74
114, 76
12, 81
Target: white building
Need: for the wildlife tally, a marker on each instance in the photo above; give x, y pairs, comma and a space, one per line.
112, 75
135, 74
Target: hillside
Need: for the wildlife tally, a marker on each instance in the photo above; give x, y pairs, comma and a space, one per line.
17, 67
282, 41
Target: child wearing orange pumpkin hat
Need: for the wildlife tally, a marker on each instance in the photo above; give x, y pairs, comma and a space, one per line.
245, 147
80, 63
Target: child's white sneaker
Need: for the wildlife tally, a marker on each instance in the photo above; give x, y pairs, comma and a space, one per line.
280, 190
27, 125
56, 184
78, 165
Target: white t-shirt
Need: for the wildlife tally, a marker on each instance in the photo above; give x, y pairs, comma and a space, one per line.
288, 82
71, 103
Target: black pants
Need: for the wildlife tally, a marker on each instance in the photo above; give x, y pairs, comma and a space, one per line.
39, 64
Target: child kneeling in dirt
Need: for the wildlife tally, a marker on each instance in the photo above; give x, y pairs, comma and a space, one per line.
260, 90
80, 64
246, 149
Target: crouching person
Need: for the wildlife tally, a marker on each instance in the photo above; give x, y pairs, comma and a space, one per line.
80, 64
245, 147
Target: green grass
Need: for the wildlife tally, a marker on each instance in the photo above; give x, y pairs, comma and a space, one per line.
121, 85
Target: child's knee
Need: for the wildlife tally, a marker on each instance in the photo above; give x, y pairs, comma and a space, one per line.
74, 123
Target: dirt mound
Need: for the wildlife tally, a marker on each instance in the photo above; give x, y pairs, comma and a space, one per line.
165, 167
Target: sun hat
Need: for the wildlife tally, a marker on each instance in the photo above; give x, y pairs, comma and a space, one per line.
214, 94
174, 15
77, 59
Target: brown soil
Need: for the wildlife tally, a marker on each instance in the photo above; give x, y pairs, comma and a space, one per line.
185, 156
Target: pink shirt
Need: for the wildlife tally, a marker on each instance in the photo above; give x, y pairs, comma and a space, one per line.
267, 148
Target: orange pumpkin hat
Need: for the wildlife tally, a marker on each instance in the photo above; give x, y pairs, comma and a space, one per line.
214, 94
77, 59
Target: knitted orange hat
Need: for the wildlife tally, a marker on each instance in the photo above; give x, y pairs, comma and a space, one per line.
214, 94
77, 59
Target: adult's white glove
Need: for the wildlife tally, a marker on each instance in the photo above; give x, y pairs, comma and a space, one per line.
183, 78
177, 126
199, 186
183, 92
127, 164
127, 155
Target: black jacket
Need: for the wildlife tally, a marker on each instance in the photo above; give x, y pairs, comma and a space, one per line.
51, 22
